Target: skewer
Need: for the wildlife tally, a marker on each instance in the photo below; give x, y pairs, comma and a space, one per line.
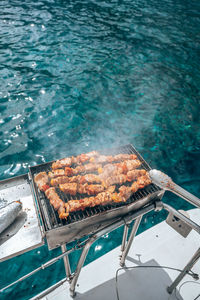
104, 187
111, 179
104, 198
92, 157
122, 167
68, 161
93, 189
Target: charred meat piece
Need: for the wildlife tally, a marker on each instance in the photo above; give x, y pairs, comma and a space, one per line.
42, 181
56, 173
117, 179
91, 178
68, 161
69, 188
65, 179
130, 165
93, 189
74, 188
134, 174
57, 203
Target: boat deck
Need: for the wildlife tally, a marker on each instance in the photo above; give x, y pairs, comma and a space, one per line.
158, 246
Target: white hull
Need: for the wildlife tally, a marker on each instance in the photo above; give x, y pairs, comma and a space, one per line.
158, 246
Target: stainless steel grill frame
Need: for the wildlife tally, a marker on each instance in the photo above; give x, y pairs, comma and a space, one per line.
80, 224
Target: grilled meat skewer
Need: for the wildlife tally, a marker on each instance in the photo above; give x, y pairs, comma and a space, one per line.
93, 189
56, 173
105, 178
82, 169
76, 184
104, 171
103, 198
93, 157
72, 205
74, 188
122, 178
88, 178
57, 203
108, 196
141, 182
68, 161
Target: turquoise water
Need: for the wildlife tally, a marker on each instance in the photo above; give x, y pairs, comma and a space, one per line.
83, 75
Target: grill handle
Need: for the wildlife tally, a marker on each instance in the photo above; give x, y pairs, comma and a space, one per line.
165, 182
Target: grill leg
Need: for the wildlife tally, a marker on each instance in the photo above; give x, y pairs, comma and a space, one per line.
80, 264
187, 268
66, 262
124, 239
125, 249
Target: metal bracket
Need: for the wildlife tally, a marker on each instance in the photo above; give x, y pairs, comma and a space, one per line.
179, 225
158, 205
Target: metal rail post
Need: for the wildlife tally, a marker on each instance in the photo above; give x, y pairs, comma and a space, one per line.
187, 268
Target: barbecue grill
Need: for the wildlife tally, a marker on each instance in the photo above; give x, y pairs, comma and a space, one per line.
89, 224
85, 222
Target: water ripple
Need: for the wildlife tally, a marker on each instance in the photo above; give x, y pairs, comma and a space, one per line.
82, 75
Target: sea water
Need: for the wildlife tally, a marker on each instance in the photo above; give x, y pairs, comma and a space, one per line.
82, 75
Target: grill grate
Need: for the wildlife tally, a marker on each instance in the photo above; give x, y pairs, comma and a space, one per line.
50, 217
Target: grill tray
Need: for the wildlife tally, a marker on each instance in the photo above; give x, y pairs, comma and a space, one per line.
88, 221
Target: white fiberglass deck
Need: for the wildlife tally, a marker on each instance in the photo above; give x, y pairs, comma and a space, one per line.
160, 245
